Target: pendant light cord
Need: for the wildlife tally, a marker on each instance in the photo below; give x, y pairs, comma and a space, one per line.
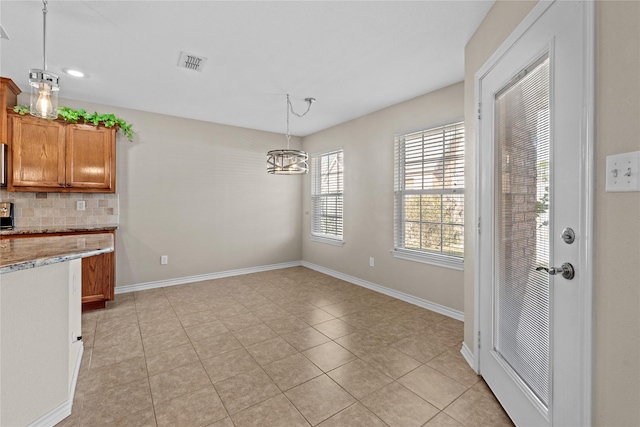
44, 35
290, 108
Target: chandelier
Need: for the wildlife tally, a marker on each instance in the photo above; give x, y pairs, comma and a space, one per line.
288, 161
44, 85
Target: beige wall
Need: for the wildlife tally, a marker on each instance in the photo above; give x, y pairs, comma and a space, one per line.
617, 215
199, 193
368, 202
499, 22
617, 222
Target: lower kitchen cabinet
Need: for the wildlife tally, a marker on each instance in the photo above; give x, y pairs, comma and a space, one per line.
98, 272
98, 280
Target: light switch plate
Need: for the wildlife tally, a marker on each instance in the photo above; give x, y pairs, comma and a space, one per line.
623, 171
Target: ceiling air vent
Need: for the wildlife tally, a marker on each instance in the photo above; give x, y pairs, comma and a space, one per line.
191, 61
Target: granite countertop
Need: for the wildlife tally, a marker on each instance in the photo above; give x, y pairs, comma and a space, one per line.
22, 254
58, 229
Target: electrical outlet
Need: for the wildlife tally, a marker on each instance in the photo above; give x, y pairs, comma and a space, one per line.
371, 262
80, 205
164, 260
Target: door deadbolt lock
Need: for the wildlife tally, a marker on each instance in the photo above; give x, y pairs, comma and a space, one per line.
568, 235
566, 270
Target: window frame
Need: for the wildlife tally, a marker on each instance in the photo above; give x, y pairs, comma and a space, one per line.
400, 192
316, 176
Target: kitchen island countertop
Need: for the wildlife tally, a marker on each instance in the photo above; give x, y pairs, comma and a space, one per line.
22, 254
52, 229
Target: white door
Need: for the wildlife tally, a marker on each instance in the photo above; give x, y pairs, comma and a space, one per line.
534, 142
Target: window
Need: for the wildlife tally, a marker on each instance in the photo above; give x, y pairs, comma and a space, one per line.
429, 195
326, 197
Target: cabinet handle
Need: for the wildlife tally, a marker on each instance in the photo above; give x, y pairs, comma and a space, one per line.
61, 184
68, 184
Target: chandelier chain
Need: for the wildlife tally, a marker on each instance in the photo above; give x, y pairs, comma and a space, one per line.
309, 102
290, 108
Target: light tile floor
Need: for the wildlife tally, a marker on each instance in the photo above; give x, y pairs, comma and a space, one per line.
289, 347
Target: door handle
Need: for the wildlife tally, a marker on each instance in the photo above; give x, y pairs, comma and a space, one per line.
566, 270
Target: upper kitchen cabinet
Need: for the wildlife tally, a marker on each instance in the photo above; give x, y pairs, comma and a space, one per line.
8, 98
90, 158
54, 156
37, 154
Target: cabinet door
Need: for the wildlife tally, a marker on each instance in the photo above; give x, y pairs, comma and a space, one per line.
98, 280
37, 153
8, 98
90, 158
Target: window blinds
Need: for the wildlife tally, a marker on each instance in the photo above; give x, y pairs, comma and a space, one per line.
429, 190
326, 194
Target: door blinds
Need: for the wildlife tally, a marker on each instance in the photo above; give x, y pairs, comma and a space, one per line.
522, 226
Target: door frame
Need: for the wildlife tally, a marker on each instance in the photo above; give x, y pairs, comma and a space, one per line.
584, 355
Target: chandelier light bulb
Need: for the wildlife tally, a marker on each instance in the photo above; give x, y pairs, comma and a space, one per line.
44, 107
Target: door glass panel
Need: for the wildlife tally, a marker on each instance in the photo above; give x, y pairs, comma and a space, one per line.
521, 306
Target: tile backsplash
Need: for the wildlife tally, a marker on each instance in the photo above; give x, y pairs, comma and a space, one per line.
44, 209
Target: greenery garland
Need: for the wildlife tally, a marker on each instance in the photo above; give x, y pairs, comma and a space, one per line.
74, 116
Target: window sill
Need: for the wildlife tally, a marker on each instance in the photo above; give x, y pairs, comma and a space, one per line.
327, 240
427, 258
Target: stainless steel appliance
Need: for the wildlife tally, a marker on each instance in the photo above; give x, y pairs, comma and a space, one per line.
6, 215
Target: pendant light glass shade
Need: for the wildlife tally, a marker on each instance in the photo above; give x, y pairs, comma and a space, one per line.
287, 162
44, 85
44, 94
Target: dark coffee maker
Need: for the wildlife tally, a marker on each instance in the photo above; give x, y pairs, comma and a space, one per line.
6, 215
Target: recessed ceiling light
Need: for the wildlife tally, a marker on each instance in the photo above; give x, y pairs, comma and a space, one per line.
74, 73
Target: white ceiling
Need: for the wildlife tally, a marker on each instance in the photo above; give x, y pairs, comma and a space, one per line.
355, 57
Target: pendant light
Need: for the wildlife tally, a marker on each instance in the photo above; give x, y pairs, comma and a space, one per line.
288, 161
44, 85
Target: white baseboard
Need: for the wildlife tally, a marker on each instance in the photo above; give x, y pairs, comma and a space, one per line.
63, 410
203, 277
469, 357
458, 315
